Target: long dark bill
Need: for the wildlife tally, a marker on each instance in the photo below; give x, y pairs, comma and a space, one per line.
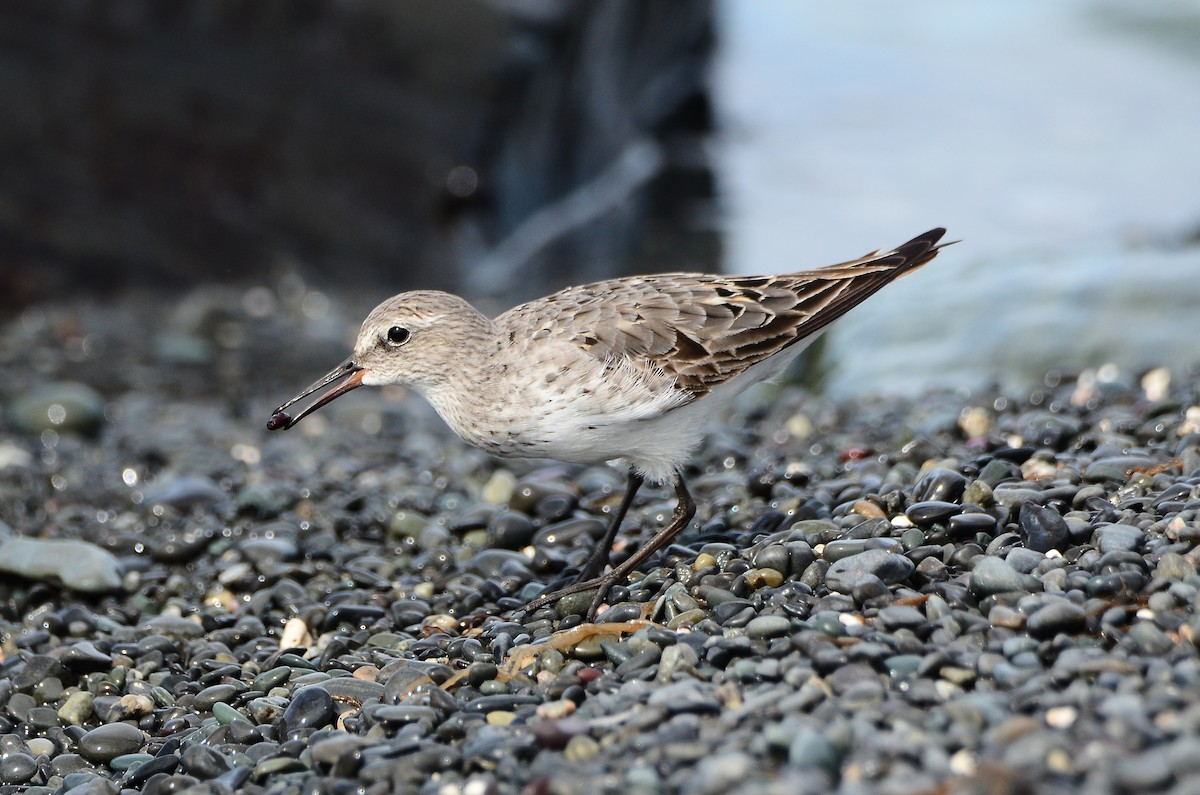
349, 373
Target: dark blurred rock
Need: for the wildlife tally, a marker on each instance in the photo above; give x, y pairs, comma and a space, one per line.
367, 141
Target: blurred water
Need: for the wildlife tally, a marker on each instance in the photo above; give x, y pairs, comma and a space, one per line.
1059, 141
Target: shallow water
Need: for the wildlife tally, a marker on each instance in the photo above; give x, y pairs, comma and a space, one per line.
1057, 141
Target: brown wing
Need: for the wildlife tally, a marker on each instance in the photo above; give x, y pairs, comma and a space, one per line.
704, 329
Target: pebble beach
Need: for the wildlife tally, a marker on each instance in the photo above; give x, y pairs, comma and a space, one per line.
963, 591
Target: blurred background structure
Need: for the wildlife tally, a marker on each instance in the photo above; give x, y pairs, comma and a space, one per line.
505, 149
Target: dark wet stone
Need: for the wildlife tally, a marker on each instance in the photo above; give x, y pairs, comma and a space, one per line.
403, 714
1056, 617
107, 742
209, 696
510, 530
1117, 582
160, 765
1043, 529
17, 768
266, 551
37, 668
311, 708
940, 485
931, 512
354, 616
353, 689
83, 657
848, 572
998, 471
970, 523
203, 762
901, 616
506, 702
181, 545
1116, 468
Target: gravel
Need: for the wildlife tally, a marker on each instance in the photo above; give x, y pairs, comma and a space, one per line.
967, 592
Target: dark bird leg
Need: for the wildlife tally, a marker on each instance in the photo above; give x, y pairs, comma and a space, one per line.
685, 509
599, 557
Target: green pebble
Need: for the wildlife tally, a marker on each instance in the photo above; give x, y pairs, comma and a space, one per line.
77, 708
225, 714
580, 748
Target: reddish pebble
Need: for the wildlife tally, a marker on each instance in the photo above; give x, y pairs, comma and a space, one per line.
588, 674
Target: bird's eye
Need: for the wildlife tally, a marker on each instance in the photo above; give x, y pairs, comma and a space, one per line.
397, 335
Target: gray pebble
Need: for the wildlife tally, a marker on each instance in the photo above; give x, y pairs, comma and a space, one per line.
1118, 537
993, 576
848, 572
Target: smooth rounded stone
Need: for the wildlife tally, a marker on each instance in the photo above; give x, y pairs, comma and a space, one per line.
764, 627
1174, 567
206, 698
902, 617
58, 406
183, 491
962, 524
267, 551
912, 538
77, 709
930, 512
1116, 468
721, 772
203, 762
83, 657
811, 748
353, 689
40, 746
17, 768
77, 565
1150, 640
226, 714
1024, 560
686, 695
1042, 528
510, 530
127, 762
311, 708
272, 678
773, 556
1114, 583
903, 664
992, 576
137, 775
940, 485
19, 706
1057, 617
848, 572
1118, 537
109, 741
169, 627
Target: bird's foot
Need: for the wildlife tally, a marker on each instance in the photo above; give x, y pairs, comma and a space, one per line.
601, 585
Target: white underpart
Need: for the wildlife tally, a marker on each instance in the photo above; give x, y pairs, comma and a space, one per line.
650, 426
